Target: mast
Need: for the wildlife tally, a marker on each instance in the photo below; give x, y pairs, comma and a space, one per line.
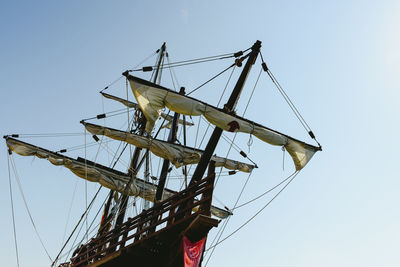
229, 107
166, 163
136, 154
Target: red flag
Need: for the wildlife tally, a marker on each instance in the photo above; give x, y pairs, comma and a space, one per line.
192, 252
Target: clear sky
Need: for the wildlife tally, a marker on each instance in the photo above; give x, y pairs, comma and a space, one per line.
338, 60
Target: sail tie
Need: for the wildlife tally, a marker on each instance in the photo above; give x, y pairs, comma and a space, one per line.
283, 158
250, 142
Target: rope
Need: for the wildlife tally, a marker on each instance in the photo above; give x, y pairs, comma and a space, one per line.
246, 203
69, 211
257, 213
190, 62
252, 92
144, 60
203, 58
245, 184
86, 198
266, 192
171, 71
12, 209
90, 226
289, 101
211, 79
229, 141
26, 206
226, 85
73, 231
217, 237
224, 226
112, 83
147, 58
113, 113
44, 135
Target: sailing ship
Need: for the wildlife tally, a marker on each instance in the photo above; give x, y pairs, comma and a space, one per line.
172, 231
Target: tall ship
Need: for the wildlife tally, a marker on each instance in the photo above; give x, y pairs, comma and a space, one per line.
170, 226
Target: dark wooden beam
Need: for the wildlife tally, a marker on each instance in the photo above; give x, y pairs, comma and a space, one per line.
171, 139
229, 107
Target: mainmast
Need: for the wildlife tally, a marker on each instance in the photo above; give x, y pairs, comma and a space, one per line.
229, 107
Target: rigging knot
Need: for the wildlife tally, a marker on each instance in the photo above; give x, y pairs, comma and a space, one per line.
250, 142
238, 61
229, 111
126, 73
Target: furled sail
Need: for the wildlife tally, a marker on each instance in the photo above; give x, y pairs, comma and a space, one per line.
177, 154
153, 98
130, 104
94, 172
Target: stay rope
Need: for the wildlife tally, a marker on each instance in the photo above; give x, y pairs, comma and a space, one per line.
219, 234
76, 226
26, 205
209, 80
289, 101
266, 192
255, 215
187, 62
12, 208
69, 211
120, 77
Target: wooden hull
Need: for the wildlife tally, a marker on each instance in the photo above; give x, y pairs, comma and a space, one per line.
154, 237
162, 249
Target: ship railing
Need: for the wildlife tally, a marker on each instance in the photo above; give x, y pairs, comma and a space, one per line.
183, 206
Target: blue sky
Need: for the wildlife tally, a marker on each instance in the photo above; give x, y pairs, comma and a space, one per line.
338, 60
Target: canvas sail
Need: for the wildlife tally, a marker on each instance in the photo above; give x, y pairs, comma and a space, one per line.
105, 176
130, 104
153, 98
177, 154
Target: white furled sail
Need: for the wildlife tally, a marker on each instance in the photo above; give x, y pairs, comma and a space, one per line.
153, 98
130, 104
94, 172
127, 103
177, 154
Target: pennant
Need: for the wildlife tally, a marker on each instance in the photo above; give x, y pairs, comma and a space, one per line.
192, 252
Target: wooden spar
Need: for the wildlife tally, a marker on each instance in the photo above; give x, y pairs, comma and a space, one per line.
136, 154
166, 163
104, 219
229, 107
184, 143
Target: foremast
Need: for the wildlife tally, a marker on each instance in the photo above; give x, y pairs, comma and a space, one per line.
135, 158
